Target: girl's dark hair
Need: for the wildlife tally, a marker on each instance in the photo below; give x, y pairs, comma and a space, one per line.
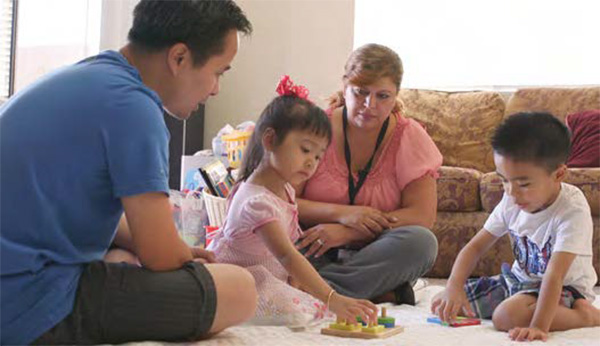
283, 114
535, 137
202, 25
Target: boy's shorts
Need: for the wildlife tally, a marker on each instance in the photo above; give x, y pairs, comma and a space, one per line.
486, 293
120, 302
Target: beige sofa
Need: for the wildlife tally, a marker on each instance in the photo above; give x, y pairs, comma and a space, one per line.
461, 124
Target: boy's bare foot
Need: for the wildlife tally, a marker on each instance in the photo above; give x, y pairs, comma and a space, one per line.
591, 313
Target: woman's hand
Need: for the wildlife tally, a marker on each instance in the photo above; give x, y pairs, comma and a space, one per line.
348, 308
201, 255
450, 302
366, 219
323, 237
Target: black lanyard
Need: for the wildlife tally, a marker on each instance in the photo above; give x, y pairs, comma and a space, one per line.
362, 174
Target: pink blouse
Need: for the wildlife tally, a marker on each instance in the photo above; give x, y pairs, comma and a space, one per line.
409, 154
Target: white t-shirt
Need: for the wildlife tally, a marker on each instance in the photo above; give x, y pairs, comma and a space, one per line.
565, 226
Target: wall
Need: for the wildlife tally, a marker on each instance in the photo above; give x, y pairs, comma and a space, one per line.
307, 39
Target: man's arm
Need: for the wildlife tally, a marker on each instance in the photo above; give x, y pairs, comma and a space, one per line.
123, 237
152, 232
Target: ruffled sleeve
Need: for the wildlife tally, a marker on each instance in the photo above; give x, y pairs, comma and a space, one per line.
417, 155
258, 211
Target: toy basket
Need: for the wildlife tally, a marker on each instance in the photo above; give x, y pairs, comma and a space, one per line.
216, 208
235, 143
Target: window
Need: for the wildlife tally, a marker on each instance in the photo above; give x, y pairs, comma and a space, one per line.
52, 34
474, 44
6, 40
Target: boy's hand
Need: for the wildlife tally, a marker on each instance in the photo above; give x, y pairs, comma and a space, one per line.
348, 308
449, 303
527, 334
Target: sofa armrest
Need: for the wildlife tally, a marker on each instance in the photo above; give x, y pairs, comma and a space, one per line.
588, 180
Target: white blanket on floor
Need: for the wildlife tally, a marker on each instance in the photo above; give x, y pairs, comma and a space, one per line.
416, 332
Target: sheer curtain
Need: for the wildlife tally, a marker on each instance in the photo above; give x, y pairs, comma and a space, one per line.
54, 33
490, 44
6, 25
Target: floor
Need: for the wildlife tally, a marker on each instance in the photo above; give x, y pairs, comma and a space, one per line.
412, 318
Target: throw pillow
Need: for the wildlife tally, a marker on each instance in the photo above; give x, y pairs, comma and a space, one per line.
585, 138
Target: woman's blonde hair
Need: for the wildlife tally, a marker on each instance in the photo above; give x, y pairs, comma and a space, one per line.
366, 65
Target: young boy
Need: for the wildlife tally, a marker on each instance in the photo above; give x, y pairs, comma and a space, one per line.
550, 226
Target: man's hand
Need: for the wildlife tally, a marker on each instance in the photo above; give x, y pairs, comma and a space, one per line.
203, 256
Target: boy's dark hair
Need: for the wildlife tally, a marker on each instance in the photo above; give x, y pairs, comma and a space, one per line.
533, 137
200, 24
283, 114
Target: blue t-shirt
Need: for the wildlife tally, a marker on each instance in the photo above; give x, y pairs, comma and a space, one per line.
71, 145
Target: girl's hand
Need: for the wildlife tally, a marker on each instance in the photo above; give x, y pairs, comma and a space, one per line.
323, 237
449, 303
348, 308
203, 256
366, 219
527, 334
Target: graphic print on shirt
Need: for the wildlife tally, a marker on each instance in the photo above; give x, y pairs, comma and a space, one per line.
532, 260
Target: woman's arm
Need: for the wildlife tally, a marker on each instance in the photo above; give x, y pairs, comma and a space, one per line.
419, 204
312, 213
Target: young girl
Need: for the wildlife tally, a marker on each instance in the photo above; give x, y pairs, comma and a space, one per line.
262, 219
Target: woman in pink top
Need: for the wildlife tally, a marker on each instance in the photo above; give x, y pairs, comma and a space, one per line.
386, 208
262, 219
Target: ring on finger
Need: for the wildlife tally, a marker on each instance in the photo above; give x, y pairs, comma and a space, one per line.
320, 242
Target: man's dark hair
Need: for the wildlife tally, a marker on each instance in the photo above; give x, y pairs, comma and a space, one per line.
534, 137
202, 25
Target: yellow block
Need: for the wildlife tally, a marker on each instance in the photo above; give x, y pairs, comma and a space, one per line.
374, 329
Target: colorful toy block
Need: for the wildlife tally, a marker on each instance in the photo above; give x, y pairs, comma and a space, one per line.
371, 331
388, 322
459, 322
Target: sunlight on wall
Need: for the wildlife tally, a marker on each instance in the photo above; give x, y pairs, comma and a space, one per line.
474, 43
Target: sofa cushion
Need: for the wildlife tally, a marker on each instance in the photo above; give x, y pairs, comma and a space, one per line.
558, 101
586, 179
585, 138
458, 189
491, 190
453, 231
460, 124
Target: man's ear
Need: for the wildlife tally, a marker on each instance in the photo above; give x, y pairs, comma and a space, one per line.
561, 173
178, 56
268, 139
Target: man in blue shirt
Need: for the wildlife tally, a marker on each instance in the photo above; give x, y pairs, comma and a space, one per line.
87, 143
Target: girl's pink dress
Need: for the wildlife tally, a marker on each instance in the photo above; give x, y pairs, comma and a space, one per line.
251, 207
409, 154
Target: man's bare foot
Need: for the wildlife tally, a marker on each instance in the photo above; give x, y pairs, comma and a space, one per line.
591, 313
119, 255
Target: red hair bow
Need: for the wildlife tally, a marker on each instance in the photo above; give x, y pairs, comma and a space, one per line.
287, 88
